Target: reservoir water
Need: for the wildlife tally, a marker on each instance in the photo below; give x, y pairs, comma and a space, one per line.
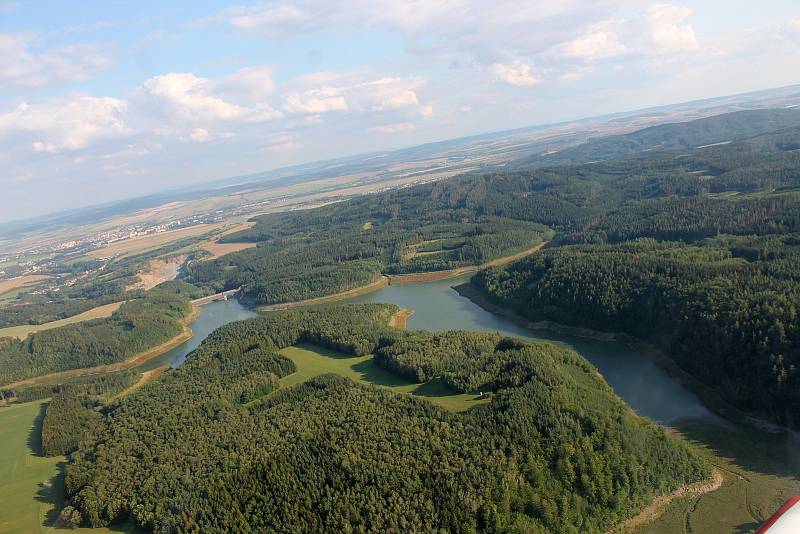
633, 376
212, 316
645, 387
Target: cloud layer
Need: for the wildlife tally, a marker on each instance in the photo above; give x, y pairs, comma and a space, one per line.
282, 81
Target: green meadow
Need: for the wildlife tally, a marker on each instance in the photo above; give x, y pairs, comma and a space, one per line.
312, 360
31, 484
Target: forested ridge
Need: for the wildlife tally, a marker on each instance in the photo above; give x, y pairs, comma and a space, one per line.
217, 445
696, 250
747, 186
136, 326
725, 308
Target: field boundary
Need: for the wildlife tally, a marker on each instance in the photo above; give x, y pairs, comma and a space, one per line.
98, 312
653, 511
124, 365
433, 276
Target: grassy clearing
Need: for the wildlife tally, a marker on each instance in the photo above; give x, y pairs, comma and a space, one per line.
31, 485
22, 331
312, 360
760, 472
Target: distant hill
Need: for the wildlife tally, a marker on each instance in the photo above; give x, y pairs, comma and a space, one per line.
676, 136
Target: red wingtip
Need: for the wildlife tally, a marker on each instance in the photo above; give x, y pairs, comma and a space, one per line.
764, 529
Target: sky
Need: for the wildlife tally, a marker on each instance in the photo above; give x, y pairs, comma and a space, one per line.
103, 100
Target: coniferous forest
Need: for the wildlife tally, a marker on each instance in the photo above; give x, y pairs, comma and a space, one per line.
693, 248
218, 445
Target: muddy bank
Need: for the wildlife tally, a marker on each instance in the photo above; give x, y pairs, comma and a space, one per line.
358, 291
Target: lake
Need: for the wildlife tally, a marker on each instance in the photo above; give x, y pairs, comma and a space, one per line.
632, 375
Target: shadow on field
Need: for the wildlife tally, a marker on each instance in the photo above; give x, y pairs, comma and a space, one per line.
376, 375
35, 435
746, 528
52, 493
749, 448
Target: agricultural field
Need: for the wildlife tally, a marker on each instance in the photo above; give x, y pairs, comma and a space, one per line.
20, 281
151, 242
217, 249
30, 483
312, 361
22, 331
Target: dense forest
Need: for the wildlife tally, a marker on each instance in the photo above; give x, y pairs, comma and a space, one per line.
136, 326
309, 254
725, 308
217, 445
695, 248
739, 187
92, 385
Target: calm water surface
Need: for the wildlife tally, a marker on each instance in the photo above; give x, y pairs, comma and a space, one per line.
634, 377
213, 316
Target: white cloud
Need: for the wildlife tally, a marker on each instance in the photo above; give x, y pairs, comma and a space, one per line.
385, 94
795, 23
66, 125
320, 100
20, 66
595, 45
426, 111
517, 73
252, 83
668, 31
373, 96
186, 97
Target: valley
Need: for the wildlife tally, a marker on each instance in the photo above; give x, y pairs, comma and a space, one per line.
548, 407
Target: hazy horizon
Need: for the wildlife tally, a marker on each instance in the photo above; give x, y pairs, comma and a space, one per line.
102, 103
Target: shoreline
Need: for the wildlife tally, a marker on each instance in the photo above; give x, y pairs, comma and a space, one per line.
399, 319
707, 396
656, 508
434, 276
398, 279
124, 365
382, 282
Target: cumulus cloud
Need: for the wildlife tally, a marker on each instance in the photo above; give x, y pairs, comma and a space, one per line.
251, 83
65, 125
320, 100
344, 93
185, 97
21, 66
596, 44
517, 73
668, 30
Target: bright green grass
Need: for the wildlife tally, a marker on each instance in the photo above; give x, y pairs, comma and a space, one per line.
312, 361
31, 485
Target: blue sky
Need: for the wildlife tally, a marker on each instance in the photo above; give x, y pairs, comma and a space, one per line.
106, 100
